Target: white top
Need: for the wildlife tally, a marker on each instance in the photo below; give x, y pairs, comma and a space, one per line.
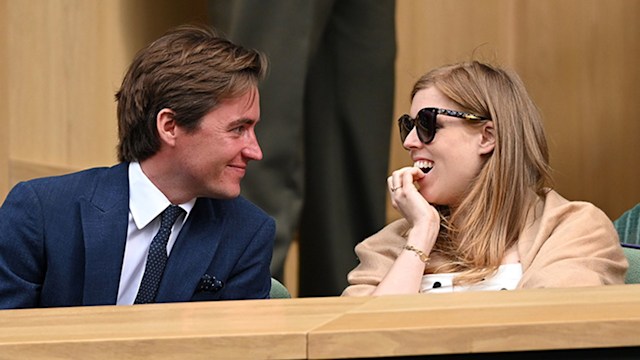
146, 203
506, 278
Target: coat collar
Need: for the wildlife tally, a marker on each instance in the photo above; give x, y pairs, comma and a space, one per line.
104, 218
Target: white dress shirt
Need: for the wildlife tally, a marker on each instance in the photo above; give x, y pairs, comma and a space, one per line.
146, 203
506, 278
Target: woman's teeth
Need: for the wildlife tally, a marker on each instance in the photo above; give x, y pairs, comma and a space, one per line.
424, 165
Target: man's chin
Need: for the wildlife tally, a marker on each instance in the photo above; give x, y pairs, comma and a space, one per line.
224, 194
232, 195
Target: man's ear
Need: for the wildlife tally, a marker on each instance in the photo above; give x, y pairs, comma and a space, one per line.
488, 141
166, 125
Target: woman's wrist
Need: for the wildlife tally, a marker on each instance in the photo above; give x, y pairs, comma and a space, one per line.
423, 256
423, 237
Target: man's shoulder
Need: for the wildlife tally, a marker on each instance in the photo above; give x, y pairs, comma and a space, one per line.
78, 176
72, 184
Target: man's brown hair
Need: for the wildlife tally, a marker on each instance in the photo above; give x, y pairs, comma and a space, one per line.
189, 70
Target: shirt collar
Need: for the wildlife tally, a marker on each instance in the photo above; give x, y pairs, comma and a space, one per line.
146, 201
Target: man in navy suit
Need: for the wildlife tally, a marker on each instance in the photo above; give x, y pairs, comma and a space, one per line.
187, 110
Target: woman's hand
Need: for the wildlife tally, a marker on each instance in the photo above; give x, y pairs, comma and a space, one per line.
408, 201
405, 275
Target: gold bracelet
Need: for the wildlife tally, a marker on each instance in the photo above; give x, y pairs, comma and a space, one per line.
423, 257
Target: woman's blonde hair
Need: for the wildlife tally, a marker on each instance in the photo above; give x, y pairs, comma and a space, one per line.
492, 214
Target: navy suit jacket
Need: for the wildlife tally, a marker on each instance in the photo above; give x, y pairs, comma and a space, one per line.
62, 242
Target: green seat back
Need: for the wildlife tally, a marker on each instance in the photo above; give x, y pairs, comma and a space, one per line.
633, 256
629, 232
627, 226
278, 290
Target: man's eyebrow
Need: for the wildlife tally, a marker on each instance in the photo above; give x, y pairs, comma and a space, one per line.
242, 121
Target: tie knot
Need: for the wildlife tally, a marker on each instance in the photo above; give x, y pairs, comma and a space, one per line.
169, 216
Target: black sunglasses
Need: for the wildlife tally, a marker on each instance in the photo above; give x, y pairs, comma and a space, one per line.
426, 122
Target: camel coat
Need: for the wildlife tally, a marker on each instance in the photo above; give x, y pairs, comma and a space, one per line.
565, 244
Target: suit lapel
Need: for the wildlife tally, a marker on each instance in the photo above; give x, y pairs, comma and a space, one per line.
192, 253
104, 225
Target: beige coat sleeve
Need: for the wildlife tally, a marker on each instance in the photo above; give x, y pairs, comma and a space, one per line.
570, 244
376, 254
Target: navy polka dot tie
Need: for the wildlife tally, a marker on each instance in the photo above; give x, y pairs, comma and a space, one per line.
157, 258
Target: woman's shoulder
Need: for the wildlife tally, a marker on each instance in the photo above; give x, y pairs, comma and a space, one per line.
561, 219
576, 230
557, 206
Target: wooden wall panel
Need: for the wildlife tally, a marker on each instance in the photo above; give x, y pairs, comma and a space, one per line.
142, 21
59, 112
67, 59
4, 103
578, 60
